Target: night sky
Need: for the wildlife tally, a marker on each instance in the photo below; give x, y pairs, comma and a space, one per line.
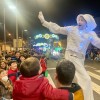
62, 12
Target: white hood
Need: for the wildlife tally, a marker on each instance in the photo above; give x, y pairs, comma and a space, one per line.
91, 24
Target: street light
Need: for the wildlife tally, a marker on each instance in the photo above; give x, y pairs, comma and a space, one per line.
4, 32
14, 8
22, 36
16, 29
9, 34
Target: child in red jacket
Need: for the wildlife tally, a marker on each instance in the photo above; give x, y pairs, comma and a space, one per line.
13, 71
33, 86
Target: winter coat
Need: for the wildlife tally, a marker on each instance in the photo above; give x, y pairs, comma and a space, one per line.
37, 88
76, 90
6, 89
12, 74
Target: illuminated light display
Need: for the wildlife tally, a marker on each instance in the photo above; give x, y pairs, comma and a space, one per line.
46, 36
41, 44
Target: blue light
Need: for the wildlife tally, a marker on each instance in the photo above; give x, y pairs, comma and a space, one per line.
90, 38
81, 45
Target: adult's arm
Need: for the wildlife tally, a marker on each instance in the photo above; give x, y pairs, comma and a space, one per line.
95, 40
53, 27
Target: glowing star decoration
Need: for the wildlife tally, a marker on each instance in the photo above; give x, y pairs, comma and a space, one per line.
46, 36
53, 35
40, 35
37, 36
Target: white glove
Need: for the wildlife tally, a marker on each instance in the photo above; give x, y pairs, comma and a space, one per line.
41, 17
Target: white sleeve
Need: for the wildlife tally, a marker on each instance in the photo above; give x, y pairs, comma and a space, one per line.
95, 40
54, 28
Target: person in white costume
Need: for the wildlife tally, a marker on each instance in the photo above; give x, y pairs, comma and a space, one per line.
78, 39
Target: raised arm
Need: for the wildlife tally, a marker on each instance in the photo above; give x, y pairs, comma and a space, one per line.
95, 40
53, 27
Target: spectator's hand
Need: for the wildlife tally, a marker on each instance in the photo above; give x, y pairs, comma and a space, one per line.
41, 17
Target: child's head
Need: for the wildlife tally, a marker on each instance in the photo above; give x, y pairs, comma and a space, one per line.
23, 57
3, 75
65, 71
17, 54
3, 65
30, 67
8, 57
12, 64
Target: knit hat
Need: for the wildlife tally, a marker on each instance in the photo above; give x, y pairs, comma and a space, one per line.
91, 24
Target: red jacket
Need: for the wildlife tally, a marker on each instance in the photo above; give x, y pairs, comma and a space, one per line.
12, 75
43, 64
37, 88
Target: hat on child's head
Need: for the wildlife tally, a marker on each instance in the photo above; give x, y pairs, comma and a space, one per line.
91, 24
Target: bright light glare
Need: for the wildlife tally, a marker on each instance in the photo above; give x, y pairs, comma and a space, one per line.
12, 7
25, 30
9, 34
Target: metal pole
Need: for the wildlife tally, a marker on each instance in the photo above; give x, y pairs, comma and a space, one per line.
22, 40
4, 32
16, 28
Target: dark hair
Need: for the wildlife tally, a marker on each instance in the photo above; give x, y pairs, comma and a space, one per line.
24, 55
30, 67
11, 61
7, 56
65, 71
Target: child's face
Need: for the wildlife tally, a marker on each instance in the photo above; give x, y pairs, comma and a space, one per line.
9, 58
13, 66
22, 58
82, 24
3, 73
3, 65
18, 55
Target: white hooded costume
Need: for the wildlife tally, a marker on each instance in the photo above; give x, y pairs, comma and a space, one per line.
77, 44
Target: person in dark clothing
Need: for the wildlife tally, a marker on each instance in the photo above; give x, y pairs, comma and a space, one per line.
65, 72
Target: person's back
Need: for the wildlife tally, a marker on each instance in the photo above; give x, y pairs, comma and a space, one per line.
32, 86
76, 90
65, 72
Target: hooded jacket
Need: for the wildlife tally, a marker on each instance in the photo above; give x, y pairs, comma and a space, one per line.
37, 88
91, 24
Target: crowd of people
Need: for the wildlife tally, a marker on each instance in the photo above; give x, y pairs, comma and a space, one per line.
10, 69
93, 54
22, 77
